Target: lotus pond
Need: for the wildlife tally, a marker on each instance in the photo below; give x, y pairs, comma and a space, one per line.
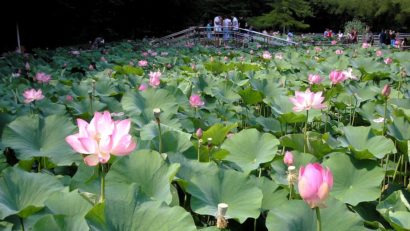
133, 137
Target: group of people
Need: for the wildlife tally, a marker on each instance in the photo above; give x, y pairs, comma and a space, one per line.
351, 37
392, 38
223, 27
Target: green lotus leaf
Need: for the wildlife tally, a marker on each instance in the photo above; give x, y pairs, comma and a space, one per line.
142, 104
317, 144
33, 136
124, 215
241, 194
218, 133
24, 193
146, 169
60, 223
400, 128
395, 209
68, 203
249, 148
364, 144
355, 181
250, 96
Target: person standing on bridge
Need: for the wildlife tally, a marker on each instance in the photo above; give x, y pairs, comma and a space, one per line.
235, 26
227, 25
218, 29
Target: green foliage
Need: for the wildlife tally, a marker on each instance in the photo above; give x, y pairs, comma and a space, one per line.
356, 24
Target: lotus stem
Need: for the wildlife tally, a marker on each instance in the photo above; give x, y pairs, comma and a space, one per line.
305, 132
22, 223
319, 219
397, 167
385, 117
102, 194
199, 150
157, 113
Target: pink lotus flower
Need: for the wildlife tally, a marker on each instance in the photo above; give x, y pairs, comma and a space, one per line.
349, 74
90, 67
334, 42
226, 58
386, 90
258, 46
314, 79
103, 59
307, 100
145, 54
101, 138
196, 101
143, 63
69, 98
155, 78
366, 45
337, 77
199, 133
42, 77
142, 87
154, 53
318, 49
288, 159
169, 66
193, 66
315, 183
388, 60
339, 52
31, 95
379, 53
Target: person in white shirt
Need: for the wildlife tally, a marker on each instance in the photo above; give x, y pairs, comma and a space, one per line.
235, 23
218, 29
227, 25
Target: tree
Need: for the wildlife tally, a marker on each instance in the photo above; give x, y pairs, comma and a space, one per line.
284, 14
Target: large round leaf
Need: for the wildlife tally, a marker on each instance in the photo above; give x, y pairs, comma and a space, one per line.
24, 193
354, 180
143, 103
68, 203
148, 170
249, 148
241, 194
61, 223
296, 215
364, 144
317, 144
122, 215
395, 209
31, 136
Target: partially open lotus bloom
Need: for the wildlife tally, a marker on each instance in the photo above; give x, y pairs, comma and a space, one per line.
339, 52
145, 54
142, 63
337, 77
314, 79
388, 60
288, 159
315, 183
334, 42
266, 55
196, 101
69, 98
379, 53
31, 95
366, 45
42, 77
101, 138
307, 100
155, 78
318, 49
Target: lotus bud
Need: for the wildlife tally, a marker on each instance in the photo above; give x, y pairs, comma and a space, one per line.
199, 133
386, 90
288, 159
221, 222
